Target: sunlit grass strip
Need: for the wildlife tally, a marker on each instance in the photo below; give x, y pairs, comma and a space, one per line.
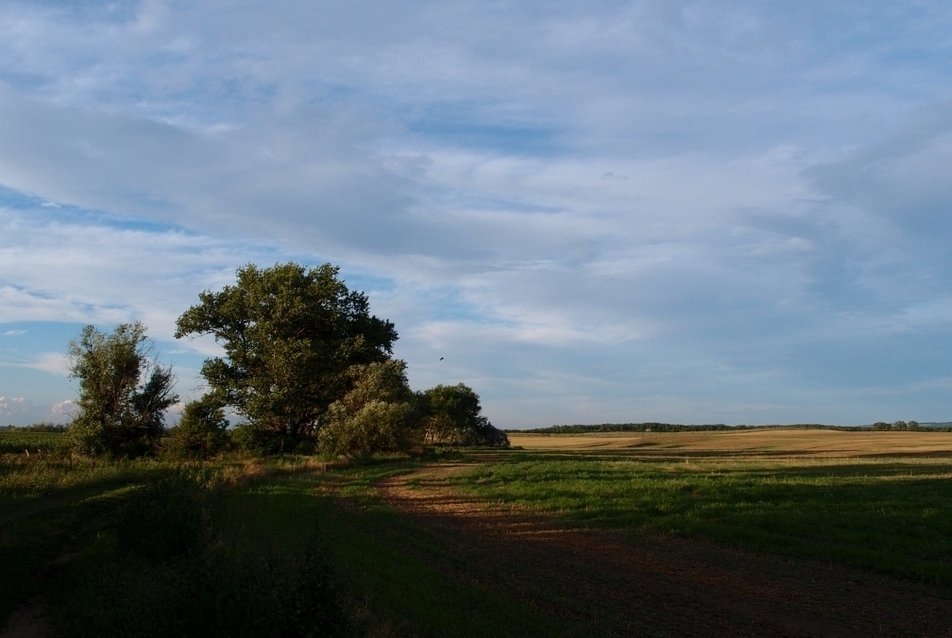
889, 515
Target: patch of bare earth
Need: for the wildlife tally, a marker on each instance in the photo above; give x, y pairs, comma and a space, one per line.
31, 618
28, 621
604, 584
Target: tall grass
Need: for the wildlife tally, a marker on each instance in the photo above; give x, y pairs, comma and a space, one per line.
23, 477
168, 564
282, 546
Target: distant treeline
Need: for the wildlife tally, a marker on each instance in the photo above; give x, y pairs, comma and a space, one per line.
677, 427
37, 427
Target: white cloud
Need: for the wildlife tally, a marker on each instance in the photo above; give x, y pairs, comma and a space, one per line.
63, 411
51, 362
68, 268
15, 408
687, 186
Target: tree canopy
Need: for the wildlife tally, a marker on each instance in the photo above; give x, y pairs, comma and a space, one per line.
290, 334
378, 414
123, 391
453, 416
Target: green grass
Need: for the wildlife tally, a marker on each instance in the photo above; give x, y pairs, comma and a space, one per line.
892, 516
167, 563
232, 548
19, 441
388, 563
46, 503
240, 546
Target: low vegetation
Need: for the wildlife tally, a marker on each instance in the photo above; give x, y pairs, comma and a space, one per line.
29, 441
883, 515
298, 546
278, 546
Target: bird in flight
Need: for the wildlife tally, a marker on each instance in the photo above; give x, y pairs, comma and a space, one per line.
441, 358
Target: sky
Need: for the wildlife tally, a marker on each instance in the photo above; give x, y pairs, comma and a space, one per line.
714, 211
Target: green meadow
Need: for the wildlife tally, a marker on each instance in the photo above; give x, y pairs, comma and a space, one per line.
280, 546
891, 516
299, 546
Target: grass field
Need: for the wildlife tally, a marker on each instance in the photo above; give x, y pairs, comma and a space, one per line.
23, 441
233, 547
438, 546
878, 500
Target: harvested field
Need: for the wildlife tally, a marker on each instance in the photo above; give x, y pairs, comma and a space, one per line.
741, 443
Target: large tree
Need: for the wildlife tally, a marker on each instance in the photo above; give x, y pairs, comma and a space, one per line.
123, 391
290, 336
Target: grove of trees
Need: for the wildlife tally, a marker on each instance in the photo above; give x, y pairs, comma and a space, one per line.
898, 425
305, 364
452, 415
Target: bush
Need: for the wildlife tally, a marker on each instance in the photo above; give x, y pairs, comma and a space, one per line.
256, 439
202, 432
378, 426
377, 415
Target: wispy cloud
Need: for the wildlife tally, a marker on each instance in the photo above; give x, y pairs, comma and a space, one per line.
51, 362
690, 208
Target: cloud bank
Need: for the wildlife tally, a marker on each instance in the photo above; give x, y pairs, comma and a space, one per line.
683, 211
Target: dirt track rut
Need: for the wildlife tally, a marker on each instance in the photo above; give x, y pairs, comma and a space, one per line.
606, 584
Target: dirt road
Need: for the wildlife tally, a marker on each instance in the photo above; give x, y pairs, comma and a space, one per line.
606, 584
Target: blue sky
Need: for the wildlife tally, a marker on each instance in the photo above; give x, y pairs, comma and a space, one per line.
695, 212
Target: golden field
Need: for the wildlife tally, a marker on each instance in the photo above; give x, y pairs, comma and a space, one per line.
759, 442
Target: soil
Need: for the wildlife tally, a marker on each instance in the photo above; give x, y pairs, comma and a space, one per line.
31, 618
599, 583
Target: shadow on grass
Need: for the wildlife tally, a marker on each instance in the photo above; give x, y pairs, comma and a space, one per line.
274, 557
394, 570
888, 517
164, 565
37, 528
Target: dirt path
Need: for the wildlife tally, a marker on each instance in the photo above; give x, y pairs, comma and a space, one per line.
606, 584
31, 619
